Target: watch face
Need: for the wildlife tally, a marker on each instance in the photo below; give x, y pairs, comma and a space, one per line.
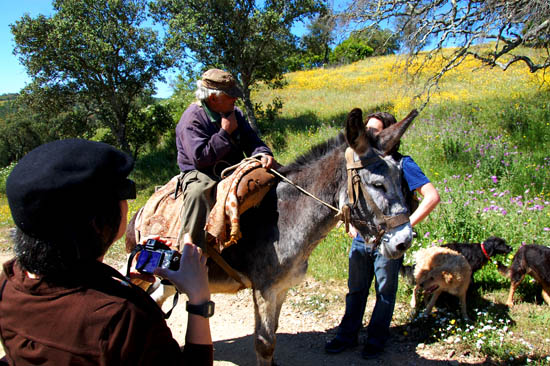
209, 309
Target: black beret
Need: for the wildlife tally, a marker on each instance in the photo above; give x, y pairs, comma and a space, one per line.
60, 184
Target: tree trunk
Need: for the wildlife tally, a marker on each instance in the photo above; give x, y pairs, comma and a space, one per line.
120, 134
250, 110
249, 107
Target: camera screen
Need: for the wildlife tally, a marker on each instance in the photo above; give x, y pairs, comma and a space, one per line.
148, 261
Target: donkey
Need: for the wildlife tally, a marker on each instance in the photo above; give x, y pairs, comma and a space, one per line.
279, 236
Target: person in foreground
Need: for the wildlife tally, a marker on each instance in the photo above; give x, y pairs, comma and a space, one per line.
211, 135
366, 263
59, 304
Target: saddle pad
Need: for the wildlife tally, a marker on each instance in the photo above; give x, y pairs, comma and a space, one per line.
161, 214
244, 188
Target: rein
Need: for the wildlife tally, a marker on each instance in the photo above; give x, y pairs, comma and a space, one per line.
355, 185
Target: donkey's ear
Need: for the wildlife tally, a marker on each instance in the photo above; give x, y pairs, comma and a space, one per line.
356, 133
390, 136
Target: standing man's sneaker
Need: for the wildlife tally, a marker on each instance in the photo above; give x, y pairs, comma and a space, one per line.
371, 351
337, 346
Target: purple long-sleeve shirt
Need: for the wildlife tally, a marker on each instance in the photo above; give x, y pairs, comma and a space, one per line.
201, 143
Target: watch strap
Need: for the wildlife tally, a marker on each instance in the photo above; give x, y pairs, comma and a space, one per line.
205, 309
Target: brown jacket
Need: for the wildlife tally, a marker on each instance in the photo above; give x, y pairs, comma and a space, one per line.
105, 322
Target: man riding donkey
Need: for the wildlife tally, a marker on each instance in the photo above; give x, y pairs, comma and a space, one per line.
212, 135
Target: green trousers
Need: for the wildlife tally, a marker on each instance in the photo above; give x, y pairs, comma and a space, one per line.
199, 195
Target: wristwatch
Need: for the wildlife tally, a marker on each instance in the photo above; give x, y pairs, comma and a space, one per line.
206, 309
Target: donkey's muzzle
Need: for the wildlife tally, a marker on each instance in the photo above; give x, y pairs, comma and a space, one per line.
396, 241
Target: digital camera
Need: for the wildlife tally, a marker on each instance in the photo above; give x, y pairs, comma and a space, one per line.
157, 254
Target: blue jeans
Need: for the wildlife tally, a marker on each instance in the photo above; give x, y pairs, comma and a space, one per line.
364, 264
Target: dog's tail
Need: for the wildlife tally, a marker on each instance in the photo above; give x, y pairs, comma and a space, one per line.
503, 270
407, 272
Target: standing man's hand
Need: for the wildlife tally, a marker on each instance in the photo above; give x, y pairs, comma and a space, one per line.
229, 122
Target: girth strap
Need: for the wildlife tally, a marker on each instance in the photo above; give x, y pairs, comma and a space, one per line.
216, 257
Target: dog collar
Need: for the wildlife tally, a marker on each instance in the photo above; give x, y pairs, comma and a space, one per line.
485, 252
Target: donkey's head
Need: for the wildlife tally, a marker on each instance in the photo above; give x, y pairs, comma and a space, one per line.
377, 204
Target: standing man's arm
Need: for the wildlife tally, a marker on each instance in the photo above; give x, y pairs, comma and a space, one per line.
430, 199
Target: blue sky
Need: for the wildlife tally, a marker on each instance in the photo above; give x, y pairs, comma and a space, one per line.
12, 74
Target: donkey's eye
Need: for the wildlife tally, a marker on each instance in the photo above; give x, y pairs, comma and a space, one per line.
379, 186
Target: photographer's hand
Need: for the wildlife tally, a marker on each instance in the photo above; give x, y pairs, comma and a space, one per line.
192, 279
192, 276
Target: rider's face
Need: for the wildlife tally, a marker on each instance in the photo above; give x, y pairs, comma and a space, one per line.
222, 103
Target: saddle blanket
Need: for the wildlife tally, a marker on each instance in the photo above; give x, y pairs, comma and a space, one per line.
243, 189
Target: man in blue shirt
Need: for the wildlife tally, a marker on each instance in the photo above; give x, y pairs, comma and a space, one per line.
365, 262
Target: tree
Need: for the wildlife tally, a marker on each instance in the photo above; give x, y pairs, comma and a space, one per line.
505, 26
20, 132
90, 62
320, 37
251, 39
382, 41
351, 50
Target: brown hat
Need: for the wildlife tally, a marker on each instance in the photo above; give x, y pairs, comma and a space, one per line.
221, 80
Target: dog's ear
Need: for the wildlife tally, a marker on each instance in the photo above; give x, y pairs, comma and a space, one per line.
447, 277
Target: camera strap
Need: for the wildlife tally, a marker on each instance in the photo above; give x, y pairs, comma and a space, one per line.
138, 248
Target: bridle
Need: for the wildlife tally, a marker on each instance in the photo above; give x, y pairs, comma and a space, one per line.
355, 187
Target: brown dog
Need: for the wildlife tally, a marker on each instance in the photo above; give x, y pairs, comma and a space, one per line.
533, 260
440, 269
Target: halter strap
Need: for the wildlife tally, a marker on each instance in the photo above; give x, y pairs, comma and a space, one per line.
355, 184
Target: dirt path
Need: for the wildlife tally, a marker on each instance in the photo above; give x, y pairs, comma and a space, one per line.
302, 333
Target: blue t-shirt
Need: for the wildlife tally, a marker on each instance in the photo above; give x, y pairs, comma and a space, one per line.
413, 174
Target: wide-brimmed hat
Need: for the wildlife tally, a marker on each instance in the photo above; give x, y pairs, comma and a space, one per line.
221, 80
62, 183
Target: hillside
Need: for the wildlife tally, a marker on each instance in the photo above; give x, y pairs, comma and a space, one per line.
484, 142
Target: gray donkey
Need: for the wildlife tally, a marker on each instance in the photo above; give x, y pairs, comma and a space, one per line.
279, 235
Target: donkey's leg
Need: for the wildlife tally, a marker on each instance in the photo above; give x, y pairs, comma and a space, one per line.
267, 307
162, 293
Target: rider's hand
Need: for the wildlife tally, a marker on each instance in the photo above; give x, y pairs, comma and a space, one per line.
267, 161
192, 276
229, 122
